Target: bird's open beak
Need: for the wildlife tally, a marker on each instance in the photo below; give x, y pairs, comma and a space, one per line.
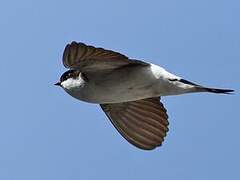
58, 84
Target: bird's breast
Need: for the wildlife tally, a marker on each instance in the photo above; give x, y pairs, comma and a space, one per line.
126, 84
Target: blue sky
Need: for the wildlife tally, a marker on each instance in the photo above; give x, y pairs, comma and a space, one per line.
46, 134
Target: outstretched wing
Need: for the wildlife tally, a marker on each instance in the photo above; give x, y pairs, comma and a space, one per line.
143, 123
89, 58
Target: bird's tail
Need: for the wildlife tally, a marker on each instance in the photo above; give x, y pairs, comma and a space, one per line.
213, 90
199, 88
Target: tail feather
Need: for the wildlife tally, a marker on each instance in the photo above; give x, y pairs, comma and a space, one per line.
218, 91
199, 88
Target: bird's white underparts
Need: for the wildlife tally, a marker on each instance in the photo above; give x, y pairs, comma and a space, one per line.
127, 90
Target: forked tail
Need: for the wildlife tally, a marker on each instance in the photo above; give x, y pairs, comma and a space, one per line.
214, 90
198, 88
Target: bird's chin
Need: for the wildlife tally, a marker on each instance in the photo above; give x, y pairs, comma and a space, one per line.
72, 88
72, 84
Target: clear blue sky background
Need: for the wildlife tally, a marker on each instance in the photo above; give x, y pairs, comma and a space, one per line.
47, 135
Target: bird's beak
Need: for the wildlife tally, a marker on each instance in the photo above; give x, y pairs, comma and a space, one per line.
58, 84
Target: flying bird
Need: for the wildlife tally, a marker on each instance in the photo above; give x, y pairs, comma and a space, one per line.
128, 90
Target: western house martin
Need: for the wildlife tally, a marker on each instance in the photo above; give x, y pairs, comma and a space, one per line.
128, 90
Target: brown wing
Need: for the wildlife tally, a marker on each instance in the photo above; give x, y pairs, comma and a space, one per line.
143, 123
89, 58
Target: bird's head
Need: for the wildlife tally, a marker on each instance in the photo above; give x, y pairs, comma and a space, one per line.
70, 79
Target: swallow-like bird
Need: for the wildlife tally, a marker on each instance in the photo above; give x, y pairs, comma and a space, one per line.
127, 90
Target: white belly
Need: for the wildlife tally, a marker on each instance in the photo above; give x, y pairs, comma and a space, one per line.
128, 84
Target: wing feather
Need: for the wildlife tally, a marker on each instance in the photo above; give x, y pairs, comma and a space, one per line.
88, 58
143, 123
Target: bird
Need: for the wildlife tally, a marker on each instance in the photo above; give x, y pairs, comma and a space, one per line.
128, 90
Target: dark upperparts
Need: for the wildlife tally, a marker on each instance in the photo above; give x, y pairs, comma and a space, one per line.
69, 74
